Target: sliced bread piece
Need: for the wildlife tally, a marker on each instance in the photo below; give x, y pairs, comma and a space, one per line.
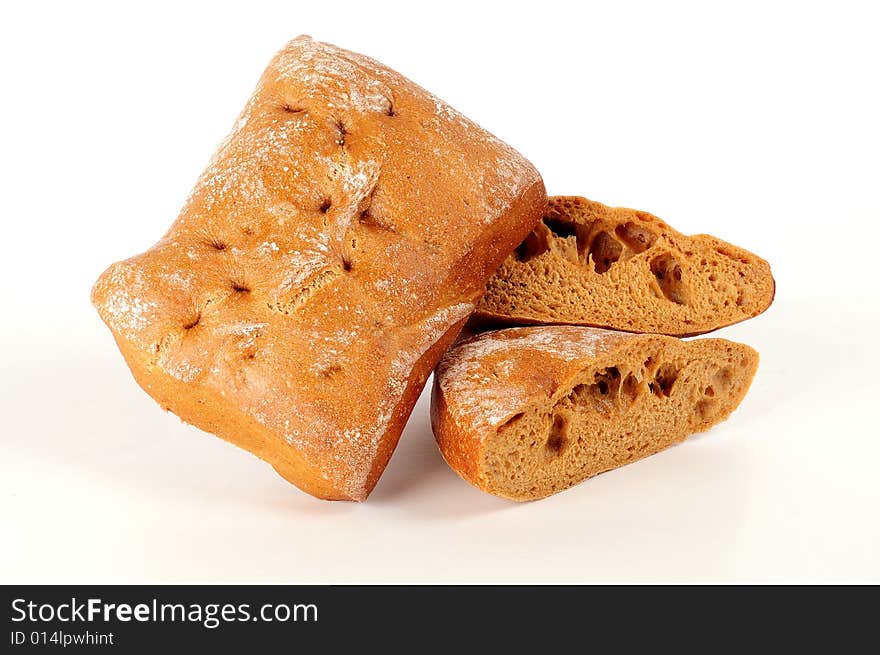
589, 264
524, 413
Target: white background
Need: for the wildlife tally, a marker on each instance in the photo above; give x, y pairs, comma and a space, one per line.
757, 123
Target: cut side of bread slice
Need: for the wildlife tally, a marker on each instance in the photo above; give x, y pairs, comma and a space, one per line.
527, 412
589, 264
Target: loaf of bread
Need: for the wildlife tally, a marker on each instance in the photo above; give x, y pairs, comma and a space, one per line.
337, 242
588, 264
526, 412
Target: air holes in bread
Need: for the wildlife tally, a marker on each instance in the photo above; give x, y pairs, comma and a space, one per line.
292, 109
722, 380
636, 237
667, 271
664, 380
523, 253
580, 395
535, 244
608, 391
557, 439
629, 389
605, 250
705, 409
559, 227
601, 394
608, 381
240, 287
217, 244
325, 205
512, 421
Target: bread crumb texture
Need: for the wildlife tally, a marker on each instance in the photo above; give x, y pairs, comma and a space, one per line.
339, 238
589, 264
527, 412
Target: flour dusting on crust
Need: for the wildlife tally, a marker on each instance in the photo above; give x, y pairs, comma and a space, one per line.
421, 337
125, 306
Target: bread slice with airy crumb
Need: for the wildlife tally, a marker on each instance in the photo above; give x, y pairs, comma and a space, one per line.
589, 264
527, 412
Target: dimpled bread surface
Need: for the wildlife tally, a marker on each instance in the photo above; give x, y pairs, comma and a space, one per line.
338, 240
589, 264
524, 413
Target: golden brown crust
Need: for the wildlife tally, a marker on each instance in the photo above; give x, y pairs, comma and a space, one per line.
335, 245
622, 269
461, 449
526, 412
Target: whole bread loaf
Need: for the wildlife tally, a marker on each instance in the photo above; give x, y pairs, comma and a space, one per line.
526, 412
589, 264
336, 243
